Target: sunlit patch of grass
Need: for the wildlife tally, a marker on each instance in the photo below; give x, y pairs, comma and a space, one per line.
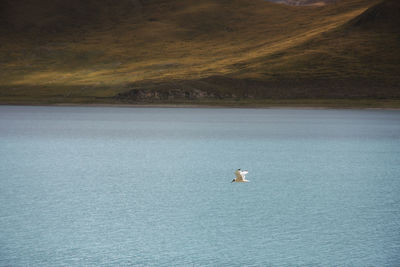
175, 40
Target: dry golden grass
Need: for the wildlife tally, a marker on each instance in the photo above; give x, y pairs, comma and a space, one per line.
164, 41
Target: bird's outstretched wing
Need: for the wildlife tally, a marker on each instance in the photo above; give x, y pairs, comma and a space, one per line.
243, 174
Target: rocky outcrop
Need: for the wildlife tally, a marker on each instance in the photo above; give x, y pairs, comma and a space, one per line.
145, 95
219, 88
208, 88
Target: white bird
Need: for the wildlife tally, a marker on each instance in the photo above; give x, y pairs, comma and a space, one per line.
240, 176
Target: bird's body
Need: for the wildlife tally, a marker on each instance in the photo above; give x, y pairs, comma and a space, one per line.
240, 176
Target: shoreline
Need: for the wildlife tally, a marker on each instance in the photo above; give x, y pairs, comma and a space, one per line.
294, 105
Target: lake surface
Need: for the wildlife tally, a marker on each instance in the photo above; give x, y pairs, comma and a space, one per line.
104, 186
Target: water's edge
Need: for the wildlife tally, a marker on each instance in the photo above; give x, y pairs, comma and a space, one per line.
379, 105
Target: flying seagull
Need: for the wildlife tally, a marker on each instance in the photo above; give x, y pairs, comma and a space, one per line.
240, 176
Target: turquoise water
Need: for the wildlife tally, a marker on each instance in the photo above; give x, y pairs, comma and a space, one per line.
99, 186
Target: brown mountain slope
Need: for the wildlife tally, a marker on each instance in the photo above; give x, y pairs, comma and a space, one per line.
305, 2
57, 16
385, 16
159, 49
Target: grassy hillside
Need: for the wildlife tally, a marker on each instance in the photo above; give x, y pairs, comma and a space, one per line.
194, 50
305, 2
